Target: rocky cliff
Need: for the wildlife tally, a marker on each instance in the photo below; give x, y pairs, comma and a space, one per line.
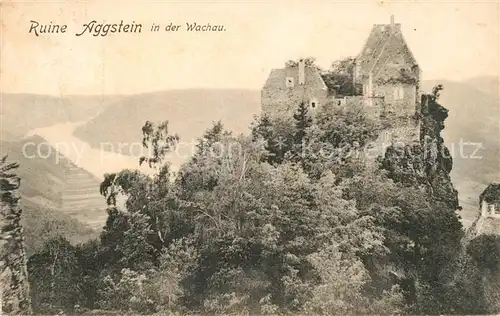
426, 164
14, 286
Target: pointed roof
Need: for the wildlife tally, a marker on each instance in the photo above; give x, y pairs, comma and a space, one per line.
378, 40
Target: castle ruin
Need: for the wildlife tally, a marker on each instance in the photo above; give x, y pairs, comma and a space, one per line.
386, 77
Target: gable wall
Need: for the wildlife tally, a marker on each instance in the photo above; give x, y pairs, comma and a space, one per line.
285, 101
395, 57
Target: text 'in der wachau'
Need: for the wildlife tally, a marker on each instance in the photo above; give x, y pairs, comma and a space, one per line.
103, 29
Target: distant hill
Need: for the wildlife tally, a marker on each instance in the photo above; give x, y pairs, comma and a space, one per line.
487, 84
189, 112
23, 112
474, 115
473, 118
50, 181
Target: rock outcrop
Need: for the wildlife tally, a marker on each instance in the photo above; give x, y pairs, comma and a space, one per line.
14, 286
426, 164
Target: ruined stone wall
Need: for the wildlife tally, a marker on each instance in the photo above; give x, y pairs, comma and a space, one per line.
402, 127
14, 284
400, 135
483, 225
398, 120
487, 219
392, 104
285, 101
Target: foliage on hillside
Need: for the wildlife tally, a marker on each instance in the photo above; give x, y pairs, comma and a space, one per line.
42, 224
289, 219
339, 78
41, 172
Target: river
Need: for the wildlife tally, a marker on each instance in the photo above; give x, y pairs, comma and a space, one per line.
96, 161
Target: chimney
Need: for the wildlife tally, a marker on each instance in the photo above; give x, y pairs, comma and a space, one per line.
302, 69
392, 20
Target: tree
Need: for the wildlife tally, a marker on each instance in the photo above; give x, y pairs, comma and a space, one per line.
302, 122
309, 62
422, 234
485, 251
484, 254
340, 76
142, 226
336, 140
276, 135
341, 291
247, 227
54, 274
158, 140
344, 66
126, 293
436, 91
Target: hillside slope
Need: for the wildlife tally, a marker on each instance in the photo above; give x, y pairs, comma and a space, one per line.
41, 223
189, 112
487, 84
50, 181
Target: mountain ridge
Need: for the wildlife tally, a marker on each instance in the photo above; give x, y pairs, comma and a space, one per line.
23, 112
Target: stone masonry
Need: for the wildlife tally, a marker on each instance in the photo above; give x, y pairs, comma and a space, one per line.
286, 88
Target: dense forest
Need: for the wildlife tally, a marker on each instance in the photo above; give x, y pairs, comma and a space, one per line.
279, 221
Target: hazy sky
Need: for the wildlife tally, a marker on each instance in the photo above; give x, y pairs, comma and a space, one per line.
452, 40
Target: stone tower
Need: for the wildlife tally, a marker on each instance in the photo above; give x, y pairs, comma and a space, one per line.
389, 76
